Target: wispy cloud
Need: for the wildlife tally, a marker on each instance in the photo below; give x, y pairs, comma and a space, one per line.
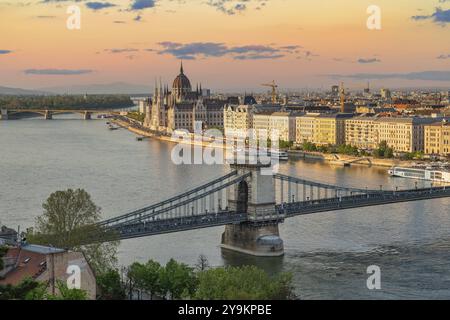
192, 51
424, 76
368, 61
121, 50
5, 51
232, 7
142, 4
439, 16
57, 72
443, 57
95, 5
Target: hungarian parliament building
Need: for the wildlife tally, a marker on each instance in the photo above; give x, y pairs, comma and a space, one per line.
183, 108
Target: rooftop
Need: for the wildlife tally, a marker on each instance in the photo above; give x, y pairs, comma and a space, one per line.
41, 249
26, 261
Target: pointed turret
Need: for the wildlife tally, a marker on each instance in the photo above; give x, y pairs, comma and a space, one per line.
181, 68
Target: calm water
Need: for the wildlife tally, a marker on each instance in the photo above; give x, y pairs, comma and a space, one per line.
328, 253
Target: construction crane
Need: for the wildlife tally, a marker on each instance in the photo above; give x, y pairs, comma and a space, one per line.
274, 87
342, 96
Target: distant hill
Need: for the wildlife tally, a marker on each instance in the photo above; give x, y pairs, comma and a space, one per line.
109, 88
18, 91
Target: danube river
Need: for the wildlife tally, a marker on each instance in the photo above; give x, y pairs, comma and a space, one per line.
328, 253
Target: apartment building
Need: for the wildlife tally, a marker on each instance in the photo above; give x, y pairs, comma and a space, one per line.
405, 134
437, 138
322, 129
238, 120
280, 123
362, 132
304, 126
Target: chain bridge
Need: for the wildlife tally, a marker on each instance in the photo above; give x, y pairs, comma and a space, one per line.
251, 204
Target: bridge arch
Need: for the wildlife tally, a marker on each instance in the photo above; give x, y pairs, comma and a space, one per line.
36, 112
242, 197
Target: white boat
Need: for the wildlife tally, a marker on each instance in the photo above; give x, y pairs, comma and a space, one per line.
435, 174
274, 154
280, 155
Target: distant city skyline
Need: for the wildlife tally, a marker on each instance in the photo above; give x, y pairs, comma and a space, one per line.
227, 45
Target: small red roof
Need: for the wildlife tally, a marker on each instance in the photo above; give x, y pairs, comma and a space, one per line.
27, 264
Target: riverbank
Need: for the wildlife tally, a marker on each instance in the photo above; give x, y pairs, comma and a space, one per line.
332, 159
191, 141
345, 160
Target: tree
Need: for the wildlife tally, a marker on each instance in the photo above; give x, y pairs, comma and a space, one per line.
145, 278
177, 280
383, 151
202, 263
69, 221
18, 292
68, 294
30, 289
110, 286
242, 283
151, 278
136, 274
308, 146
389, 153
285, 144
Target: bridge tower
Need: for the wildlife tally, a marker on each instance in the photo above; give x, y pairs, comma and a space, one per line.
3, 114
255, 195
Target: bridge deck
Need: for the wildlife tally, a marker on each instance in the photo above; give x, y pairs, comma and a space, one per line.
142, 229
363, 200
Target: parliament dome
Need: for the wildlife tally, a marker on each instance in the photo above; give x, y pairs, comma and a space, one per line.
181, 84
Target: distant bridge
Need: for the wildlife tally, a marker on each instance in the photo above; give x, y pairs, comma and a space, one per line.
251, 205
5, 114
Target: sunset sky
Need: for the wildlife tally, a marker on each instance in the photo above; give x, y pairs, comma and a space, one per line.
225, 44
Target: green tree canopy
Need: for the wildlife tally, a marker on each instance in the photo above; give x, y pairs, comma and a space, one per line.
30, 289
69, 222
177, 280
242, 283
110, 286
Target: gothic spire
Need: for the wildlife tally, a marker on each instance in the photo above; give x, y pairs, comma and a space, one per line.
181, 68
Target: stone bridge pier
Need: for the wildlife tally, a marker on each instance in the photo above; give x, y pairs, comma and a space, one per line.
3, 114
255, 195
48, 115
87, 115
